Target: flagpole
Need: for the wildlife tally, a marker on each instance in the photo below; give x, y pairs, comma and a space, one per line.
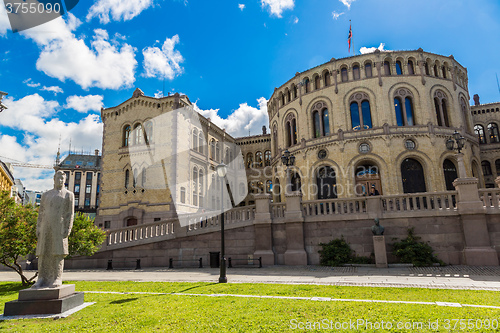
352, 40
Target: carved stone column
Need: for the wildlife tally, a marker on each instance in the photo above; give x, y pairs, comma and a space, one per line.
421, 67
379, 71
263, 229
294, 226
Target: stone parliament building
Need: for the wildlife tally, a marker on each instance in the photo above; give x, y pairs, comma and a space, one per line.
369, 136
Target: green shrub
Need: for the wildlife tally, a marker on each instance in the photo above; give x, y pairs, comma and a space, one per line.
411, 251
338, 252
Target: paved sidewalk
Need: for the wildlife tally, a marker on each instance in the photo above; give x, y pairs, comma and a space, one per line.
449, 277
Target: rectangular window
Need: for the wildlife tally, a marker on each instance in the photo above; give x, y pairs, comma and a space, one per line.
77, 188
107, 224
67, 162
156, 219
77, 201
87, 202
183, 195
89, 176
88, 189
79, 163
90, 163
368, 70
78, 176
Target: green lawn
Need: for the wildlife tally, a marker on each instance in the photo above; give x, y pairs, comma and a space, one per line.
172, 313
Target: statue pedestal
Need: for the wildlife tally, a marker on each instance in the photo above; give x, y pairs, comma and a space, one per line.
380, 251
44, 301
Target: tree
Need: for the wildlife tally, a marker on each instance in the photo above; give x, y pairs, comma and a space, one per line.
18, 235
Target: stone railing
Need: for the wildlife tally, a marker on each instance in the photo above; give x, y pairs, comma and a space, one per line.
490, 198
430, 201
334, 206
140, 232
278, 210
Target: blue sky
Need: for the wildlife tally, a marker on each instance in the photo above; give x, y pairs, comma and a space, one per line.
227, 56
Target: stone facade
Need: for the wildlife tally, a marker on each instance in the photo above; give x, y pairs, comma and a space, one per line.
379, 119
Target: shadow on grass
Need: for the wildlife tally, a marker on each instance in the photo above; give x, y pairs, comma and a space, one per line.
8, 288
122, 301
195, 287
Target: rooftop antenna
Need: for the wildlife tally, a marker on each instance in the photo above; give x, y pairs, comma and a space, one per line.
498, 84
69, 146
58, 156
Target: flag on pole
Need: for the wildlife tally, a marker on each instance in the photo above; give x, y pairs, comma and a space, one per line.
349, 38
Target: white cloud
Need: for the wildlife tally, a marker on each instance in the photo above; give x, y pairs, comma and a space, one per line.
241, 6
365, 50
163, 63
4, 21
104, 64
55, 89
347, 3
295, 20
243, 120
85, 104
336, 15
119, 10
29, 82
276, 7
34, 117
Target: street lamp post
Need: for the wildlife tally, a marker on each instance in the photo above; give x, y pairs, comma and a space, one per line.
221, 172
288, 160
457, 142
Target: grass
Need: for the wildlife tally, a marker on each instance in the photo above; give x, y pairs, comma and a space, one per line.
172, 313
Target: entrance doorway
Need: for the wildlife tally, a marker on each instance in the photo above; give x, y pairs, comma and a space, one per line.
368, 177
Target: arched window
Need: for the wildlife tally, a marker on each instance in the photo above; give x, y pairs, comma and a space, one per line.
317, 83
306, 86
412, 176
360, 111
143, 177
269, 186
249, 160
368, 70
200, 142
399, 68
497, 166
127, 178
267, 158
493, 133
321, 122
138, 134
436, 70
212, 149
288, 95
326, 78
411, 68
294, 91
258, 159
367, 177
134, 180
426, 66
387, 68
217, 151
282, 99
291, 130
200, 186
465, 114
450, 174
441, 109
195, 139
326, 180
343, 74
404, 110
149, 132
355, 72
126, 136
195, 187
479, 130
444, 72
486, 166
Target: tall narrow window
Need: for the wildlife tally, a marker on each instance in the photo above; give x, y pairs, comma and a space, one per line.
258, 159
440, 105
195, 187
288, 95
127, 178
426, 66
317, 82
326, 122
387, 68
134, 180
409, 111
403, 106
195, 139
445, 113
144, 177
126, 136
138, 134
288, 134
200, 142
249, 160
275, 140
436, 70
355, 72
316, 123
398, 106
493, 133
294, 131
450, 174
267, 158
361, 117
444, 72
200, 186
497, 166
217, 151
282, 99
149, 132
321, 122
479, 130
326, 78
306, 86
368, 70
486, 166
212, 149
294, 91
399, 69
411, 69
343, 74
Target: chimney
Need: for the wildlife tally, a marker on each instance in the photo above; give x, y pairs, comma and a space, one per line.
476, 99
264, 130
96, 152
